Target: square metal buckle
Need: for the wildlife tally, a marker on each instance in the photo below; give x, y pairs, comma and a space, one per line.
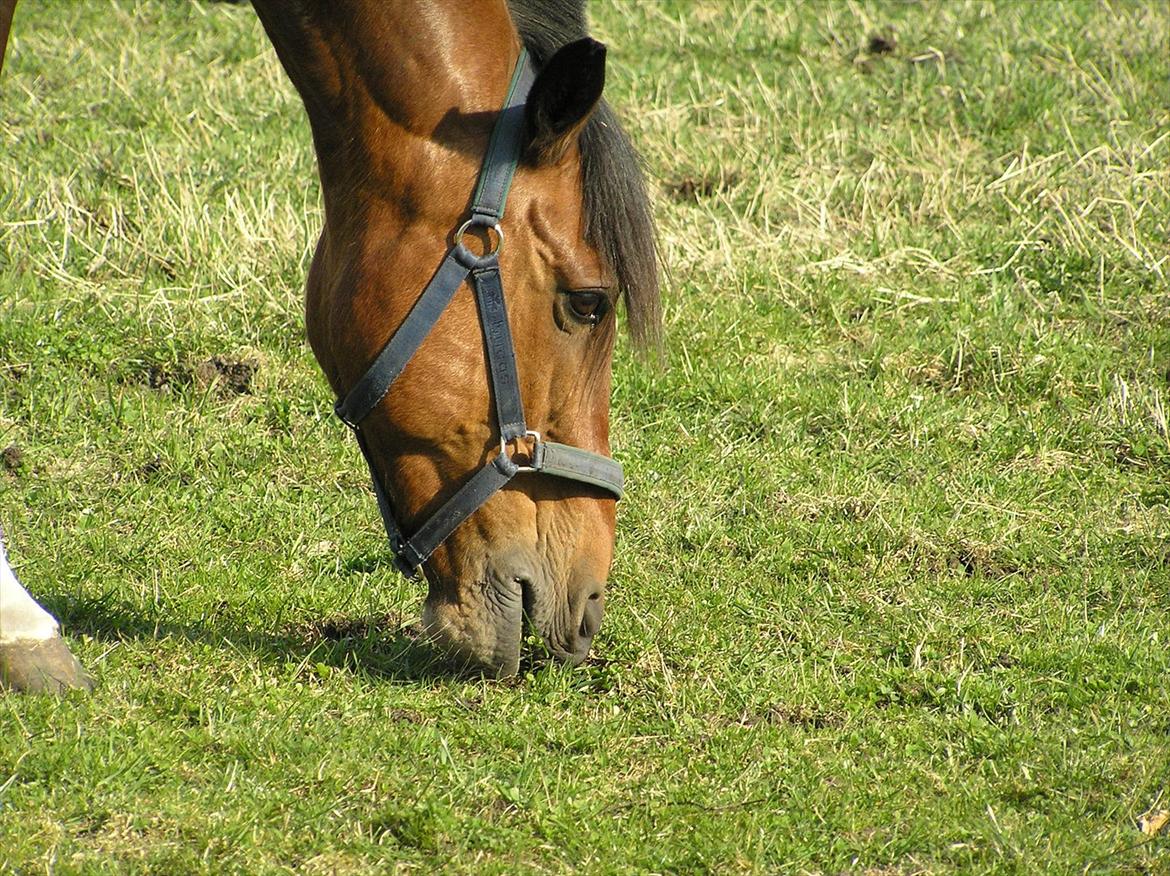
527, 450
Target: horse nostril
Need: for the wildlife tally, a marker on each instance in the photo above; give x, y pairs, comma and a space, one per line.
591, 617
527, 596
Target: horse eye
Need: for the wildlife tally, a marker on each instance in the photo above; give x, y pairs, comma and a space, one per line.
588, 306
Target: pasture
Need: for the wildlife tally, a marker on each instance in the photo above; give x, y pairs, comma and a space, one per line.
892, 584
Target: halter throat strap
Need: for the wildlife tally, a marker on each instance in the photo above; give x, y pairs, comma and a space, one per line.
521, 450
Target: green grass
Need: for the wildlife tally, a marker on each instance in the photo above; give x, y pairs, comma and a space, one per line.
892, 587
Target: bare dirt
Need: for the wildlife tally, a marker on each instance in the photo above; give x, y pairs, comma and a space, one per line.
12, 459
229, 376
696, 188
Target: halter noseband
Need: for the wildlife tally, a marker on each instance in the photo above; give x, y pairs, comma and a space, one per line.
548, 457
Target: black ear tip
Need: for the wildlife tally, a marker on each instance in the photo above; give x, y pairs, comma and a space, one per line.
565, 93
583, 51
596, 49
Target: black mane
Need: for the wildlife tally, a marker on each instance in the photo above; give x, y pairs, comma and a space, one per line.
618, 222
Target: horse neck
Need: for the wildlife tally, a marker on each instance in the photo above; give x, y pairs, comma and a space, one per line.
399, 94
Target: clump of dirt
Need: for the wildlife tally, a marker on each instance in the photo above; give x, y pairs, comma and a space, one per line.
472, 703
338, 628
406, 716
12, 459
1126, 455
230, 376
973, 559
878, 43
977, 560
792, 715
881, 42
948, 375
691, 189
226, 375
165, 377
149, 468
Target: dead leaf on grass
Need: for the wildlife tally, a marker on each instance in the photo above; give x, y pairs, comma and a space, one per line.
1154, 822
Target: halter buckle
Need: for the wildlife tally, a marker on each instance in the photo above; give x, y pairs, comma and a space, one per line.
528, 445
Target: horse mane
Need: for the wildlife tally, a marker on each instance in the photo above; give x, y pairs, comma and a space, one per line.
618, 221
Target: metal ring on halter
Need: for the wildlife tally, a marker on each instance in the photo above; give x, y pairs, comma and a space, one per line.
479, 223
535, 436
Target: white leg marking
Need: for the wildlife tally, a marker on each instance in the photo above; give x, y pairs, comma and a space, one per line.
21, 619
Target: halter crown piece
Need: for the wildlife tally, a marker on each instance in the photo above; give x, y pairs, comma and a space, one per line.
547, 457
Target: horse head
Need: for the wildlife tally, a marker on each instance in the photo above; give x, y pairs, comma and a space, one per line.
403, 100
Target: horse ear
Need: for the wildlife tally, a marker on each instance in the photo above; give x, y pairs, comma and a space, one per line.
563, 97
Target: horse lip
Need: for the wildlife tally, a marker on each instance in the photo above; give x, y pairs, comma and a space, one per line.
513, 602
510, 623
551, 637
506, 660
532, 628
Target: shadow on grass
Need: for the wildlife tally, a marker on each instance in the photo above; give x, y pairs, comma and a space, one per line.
382, 647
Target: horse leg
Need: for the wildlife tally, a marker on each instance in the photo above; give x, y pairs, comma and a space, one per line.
33, 656
7, 7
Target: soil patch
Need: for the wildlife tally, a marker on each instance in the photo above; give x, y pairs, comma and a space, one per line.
339, 627
163, 377
691, 189
793, 715
881, 42
12, 459
229, 376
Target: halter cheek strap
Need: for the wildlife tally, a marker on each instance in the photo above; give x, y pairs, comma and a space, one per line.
459, 265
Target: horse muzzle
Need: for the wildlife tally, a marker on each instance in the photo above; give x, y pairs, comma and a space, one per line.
515, 597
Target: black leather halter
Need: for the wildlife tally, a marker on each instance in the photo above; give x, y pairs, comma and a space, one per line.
547, 457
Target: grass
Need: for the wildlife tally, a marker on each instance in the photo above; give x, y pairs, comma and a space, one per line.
892, 587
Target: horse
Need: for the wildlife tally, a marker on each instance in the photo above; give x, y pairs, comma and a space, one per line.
470, 349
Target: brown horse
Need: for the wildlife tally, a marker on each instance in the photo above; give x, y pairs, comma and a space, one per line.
402, 100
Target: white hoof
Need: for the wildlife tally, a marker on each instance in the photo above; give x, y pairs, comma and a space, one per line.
33, 656
45, 666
